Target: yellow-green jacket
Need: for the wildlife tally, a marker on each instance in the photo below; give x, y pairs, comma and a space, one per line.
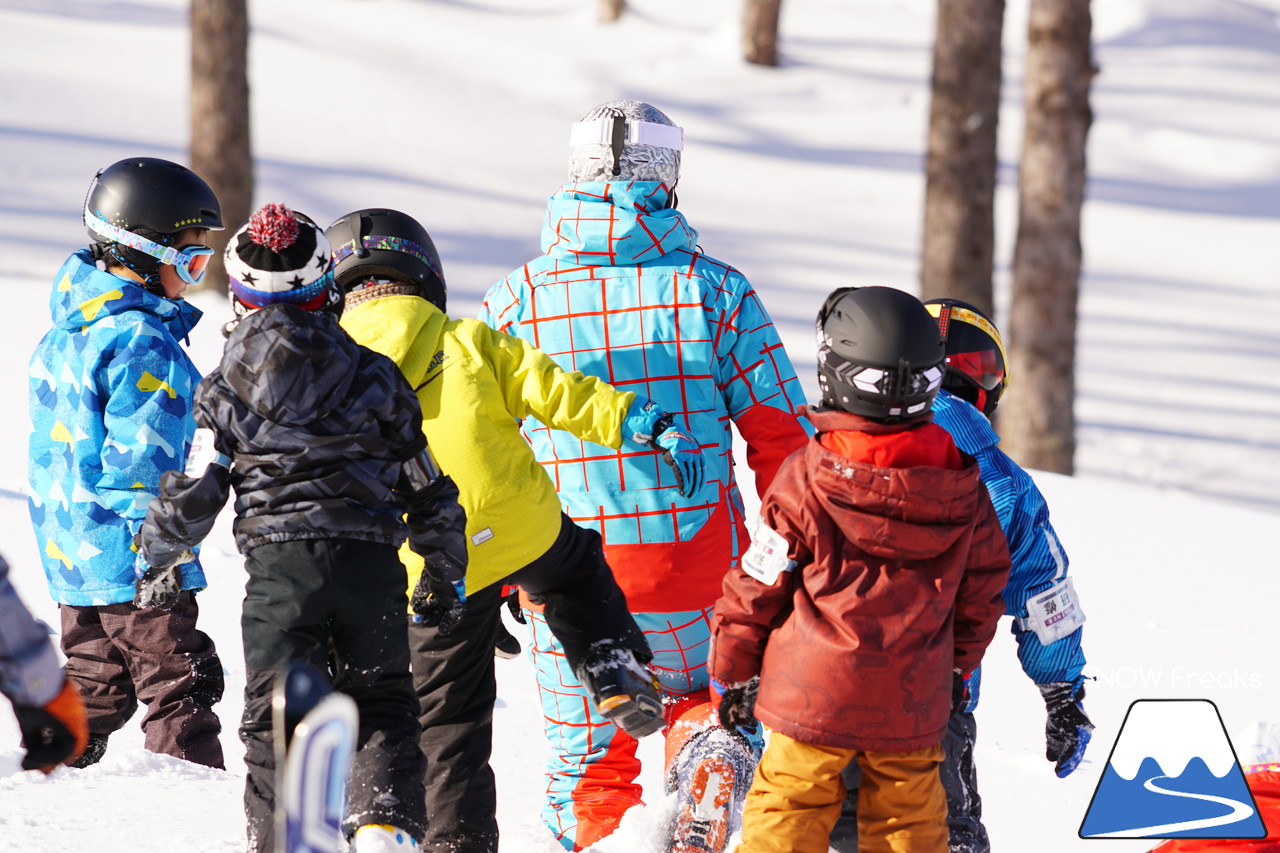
474, 385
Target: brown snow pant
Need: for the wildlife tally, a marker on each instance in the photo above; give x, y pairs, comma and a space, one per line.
796, 795
118, 654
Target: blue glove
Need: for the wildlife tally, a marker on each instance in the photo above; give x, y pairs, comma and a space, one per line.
647, 424
1068, 729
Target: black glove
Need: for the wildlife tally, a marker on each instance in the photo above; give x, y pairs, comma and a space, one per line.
1067, 730
438, 603
738, 703
157, 587
959, 690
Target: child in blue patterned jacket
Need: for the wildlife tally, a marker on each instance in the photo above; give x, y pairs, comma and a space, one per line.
110, 402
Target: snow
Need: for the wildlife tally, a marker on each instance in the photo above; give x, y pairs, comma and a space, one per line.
807, 177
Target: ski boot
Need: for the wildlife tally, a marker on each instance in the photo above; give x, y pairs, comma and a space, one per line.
381, 838
710, 776
624, 690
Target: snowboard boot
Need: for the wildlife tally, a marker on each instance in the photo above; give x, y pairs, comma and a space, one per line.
93, 752
381, 838
710, 777
624, 690
507, 646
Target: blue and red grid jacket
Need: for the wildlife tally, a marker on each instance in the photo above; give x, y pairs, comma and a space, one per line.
623, 293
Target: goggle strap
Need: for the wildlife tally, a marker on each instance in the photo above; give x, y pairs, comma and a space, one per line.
601, 132
355, 246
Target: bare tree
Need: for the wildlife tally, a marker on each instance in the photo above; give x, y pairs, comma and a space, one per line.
760, 31
1039, 421
611, 10
220, 151
959, 221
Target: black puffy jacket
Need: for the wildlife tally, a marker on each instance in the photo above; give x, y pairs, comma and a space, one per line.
317, 428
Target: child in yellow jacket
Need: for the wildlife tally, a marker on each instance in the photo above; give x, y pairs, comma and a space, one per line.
474, 384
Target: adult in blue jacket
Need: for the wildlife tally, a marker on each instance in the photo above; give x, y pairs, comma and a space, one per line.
622, 291
1047, 620
110, 402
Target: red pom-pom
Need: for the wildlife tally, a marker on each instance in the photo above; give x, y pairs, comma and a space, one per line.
273, 226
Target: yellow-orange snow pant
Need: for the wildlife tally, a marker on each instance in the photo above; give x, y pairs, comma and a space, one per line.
797, 791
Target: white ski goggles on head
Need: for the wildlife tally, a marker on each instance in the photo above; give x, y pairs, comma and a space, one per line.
189, 261
601, 132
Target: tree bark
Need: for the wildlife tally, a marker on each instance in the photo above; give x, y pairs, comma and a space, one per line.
611, 10
959, 220
1039, 418
760, 31
220, 143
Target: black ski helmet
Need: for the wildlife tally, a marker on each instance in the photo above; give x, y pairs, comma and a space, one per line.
977, 369
152, 198
381, 243
879, 354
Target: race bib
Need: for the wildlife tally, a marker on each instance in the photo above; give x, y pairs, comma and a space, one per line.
1055, 613
767, 556
203, 454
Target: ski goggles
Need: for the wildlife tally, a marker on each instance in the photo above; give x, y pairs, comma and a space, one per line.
982, 366
189, 261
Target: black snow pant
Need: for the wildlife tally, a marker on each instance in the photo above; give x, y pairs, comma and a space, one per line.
340, 605
456, 684
959, 779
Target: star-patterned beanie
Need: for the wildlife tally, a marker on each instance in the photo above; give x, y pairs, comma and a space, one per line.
280, 256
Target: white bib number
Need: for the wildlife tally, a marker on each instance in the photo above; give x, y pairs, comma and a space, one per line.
767, 556
203, 454
1055, 613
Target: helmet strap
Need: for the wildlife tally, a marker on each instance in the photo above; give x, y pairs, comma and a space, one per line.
618, 140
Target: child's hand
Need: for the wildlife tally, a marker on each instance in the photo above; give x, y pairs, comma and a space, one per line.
1068, 728
439, 603
158, 588
737, 705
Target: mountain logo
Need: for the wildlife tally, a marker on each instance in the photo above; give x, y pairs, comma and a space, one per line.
1172, 773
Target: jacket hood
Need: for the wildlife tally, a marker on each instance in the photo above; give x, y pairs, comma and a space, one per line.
83, 294
406, 329
614, 224
896, 513
289, 365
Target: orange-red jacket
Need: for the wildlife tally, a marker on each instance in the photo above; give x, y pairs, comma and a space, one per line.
887, 577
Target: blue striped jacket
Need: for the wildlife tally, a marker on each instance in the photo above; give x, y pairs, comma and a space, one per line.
1038, 558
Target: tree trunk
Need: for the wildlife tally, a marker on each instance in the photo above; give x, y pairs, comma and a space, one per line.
760, 31
220, 151
611, 10
959, 223
1038, 419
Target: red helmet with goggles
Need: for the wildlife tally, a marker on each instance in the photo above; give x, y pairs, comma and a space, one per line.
976, 366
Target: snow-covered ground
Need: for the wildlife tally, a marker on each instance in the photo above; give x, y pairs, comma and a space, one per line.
807, 177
